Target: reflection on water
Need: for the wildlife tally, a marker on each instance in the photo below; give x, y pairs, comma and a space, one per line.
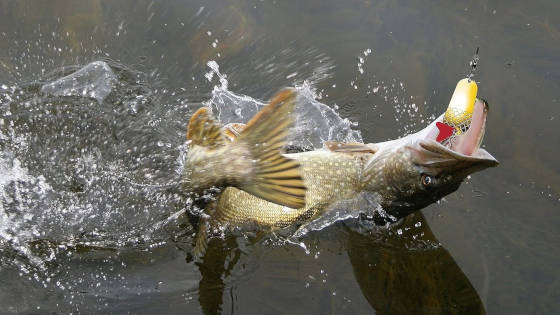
397, 279
91, 219
401, 270
99, 200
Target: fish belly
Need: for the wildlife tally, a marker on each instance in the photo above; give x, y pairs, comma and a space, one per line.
328, 177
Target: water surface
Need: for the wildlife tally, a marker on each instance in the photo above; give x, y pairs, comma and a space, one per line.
90, 210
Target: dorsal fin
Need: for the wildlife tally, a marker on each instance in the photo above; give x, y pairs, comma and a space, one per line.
276, 177
204, 131
349, 147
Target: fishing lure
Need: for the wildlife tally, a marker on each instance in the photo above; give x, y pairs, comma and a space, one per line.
458, 116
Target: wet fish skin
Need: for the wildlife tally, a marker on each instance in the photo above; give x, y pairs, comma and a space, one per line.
402, 175
328, 177
253, 161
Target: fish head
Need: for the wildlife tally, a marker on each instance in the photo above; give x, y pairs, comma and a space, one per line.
412, 172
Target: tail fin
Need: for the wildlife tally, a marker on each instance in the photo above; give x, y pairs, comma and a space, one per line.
273, 177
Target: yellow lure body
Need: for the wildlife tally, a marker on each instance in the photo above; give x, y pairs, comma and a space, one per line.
461, 107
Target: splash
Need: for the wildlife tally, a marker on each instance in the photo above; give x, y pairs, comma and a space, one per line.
17, 190
315, 122
409, 112
215, 69
89, 160
362, 205
101, 169
84, 168
95, 80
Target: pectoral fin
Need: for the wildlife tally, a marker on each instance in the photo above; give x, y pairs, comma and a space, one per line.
276, 178
248, 157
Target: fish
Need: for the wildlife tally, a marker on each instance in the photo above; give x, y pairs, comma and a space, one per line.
264, 186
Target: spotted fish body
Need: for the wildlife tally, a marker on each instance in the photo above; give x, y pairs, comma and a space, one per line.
328, 177
263, 186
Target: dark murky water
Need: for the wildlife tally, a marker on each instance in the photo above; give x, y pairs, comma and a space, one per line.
90, 213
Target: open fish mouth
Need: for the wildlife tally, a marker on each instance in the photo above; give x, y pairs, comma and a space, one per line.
469, 141
461, 146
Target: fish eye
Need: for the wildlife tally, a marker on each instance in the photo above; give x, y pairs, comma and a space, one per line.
427, 180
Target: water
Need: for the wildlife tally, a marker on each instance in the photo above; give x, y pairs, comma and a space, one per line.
91, 216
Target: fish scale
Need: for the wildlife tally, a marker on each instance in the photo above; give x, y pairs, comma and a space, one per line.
328, 176
273, 190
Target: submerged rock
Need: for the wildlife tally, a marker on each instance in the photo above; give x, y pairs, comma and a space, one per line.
94, 80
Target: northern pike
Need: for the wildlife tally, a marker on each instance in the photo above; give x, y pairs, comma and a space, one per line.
265, 186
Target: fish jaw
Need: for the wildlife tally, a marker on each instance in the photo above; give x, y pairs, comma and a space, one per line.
461, 152
412, 172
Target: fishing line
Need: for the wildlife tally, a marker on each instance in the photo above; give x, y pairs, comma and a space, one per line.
473, 63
